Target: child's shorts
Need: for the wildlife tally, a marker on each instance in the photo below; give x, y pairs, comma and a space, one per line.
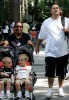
5, 79
21, 81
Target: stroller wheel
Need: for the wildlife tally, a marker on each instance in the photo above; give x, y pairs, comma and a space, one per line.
32, 97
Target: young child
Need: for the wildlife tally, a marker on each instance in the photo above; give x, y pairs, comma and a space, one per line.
22, 75
5, 76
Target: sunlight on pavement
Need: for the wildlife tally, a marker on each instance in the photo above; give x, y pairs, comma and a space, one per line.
40, 53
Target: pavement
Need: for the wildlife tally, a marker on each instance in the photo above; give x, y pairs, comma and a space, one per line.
41, 86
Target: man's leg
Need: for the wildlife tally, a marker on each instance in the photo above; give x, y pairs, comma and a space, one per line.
50, 84
60, 90
60, 81
50, 81
50, 72
61, 72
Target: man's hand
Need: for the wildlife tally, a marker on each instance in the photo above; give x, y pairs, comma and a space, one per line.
37, 49
66, 30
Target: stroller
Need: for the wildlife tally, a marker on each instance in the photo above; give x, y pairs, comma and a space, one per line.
14, 53
27, 49
7, 52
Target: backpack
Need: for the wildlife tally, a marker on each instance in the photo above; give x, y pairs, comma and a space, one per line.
63, 24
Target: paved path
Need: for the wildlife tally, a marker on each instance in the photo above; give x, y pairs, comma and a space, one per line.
41, 86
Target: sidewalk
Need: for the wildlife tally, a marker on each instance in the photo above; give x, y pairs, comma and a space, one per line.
41, 86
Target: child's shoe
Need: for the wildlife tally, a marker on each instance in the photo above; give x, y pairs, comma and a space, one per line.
19, 95
9, 95
27, 95
1, 96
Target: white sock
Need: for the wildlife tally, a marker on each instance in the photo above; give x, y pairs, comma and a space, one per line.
8, 92
26, 92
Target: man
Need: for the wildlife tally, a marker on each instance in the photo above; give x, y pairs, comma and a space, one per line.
18, 38
56, 52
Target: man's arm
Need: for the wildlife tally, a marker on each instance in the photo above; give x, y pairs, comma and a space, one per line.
37, 49
30, 42
4, 43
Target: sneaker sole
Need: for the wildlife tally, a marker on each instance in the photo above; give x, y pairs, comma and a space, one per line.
60, 95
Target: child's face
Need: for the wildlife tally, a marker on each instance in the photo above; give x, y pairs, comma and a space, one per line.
7, 61
22, 59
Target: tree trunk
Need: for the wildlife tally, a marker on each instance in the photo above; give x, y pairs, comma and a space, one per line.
14, 10
1, 11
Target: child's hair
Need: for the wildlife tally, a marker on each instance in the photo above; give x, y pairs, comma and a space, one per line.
6, 59
25, 56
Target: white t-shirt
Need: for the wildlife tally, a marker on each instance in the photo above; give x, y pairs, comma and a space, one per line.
26, 28
6, 30
52, 31
23, 72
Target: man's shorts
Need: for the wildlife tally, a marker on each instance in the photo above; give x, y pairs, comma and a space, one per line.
5, 79
56, 66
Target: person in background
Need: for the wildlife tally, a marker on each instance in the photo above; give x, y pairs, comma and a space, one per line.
18, 38
37, 26
11, 25
33, 35
26, 27
5, 30
56, 49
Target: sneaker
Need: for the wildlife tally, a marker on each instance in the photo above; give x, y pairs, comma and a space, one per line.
9, 96
60, 92
19, 95
1, 96
49, 93
27, 95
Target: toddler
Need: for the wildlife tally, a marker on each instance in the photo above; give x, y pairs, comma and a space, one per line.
6, 73
22, 75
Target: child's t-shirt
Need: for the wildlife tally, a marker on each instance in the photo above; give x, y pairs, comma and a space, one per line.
22, 72
8, 71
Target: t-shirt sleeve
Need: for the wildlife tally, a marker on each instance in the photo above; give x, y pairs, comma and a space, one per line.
42, 33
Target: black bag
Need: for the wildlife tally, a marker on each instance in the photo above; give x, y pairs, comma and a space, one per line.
63, 24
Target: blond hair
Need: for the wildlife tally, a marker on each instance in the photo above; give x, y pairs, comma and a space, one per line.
6, 59
24, 56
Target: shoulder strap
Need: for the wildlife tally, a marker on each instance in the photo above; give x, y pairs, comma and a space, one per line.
63, 24
63, 21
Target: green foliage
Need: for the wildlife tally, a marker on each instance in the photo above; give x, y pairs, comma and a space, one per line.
64, 4
42, 10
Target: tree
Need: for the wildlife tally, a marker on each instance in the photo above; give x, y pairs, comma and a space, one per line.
14, 10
